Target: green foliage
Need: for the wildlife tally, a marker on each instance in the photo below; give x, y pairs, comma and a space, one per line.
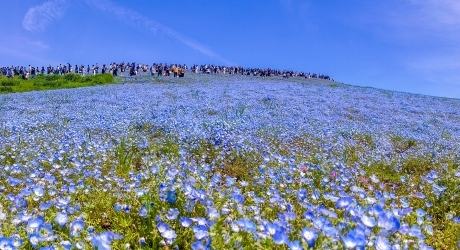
401, 144
4, 89
54, 81
4, 81
365, 140
128, 158
350, 154
416, 165
384, 172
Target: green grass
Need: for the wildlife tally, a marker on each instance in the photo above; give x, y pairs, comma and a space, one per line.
49, 82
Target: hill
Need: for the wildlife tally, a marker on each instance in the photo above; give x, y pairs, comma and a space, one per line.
228, 162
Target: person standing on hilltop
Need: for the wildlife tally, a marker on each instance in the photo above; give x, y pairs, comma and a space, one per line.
153, 69
160, 70
175, 70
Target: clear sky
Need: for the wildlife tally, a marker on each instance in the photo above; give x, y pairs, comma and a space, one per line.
404, 45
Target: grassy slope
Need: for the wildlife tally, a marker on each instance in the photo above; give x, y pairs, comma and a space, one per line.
49, 82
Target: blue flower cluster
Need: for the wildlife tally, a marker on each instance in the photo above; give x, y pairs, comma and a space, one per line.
58, 147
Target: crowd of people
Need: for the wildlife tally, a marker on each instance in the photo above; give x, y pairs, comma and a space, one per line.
156, 69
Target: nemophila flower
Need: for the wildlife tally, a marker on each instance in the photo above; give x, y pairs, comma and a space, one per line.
6, 243
76, 227
201, 232
225, 210
350, 240
428, 229
34, 239
117, 207
169, 235
368, 221
142, 242
185, 222
388, 222
34, 224
310, 236
288, 216
309, 215
61, 218
212, 214
39, 191
280, 238
343, 202
416, 231
272, 228
171, 197
376, 210
248, 225
45, 205
172, 214
295, 245
162, 227
80, 245
21, 202
382, 243
198, 245
234, 227
16, 240
45, 232
142, 212
103, 240
200, 221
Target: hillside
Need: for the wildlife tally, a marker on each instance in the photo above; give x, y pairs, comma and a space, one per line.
245, 161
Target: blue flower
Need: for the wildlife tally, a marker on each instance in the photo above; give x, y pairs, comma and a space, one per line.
238, 198
310, 236
248, 225
67, 245
295, 245
142, 212
6, 243
343, 202
34, 239
368, 221
171, 197
280, 238
172, 214
102, 241
162, 227
185, 222
388, 222
169, 234
76, 227
212, 214
382, 243
201, 232
61, 218
198, 245
45, 232
142, 242
349, 241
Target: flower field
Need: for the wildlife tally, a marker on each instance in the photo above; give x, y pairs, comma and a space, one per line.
229, 162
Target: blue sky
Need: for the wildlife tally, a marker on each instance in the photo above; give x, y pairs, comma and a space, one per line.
410, 46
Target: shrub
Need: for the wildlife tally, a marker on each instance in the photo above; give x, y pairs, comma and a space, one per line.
6, 89
401, 145
73, 77
9, 82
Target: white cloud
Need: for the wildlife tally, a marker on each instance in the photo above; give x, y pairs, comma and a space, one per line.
40, 45
38, 17
138, 20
